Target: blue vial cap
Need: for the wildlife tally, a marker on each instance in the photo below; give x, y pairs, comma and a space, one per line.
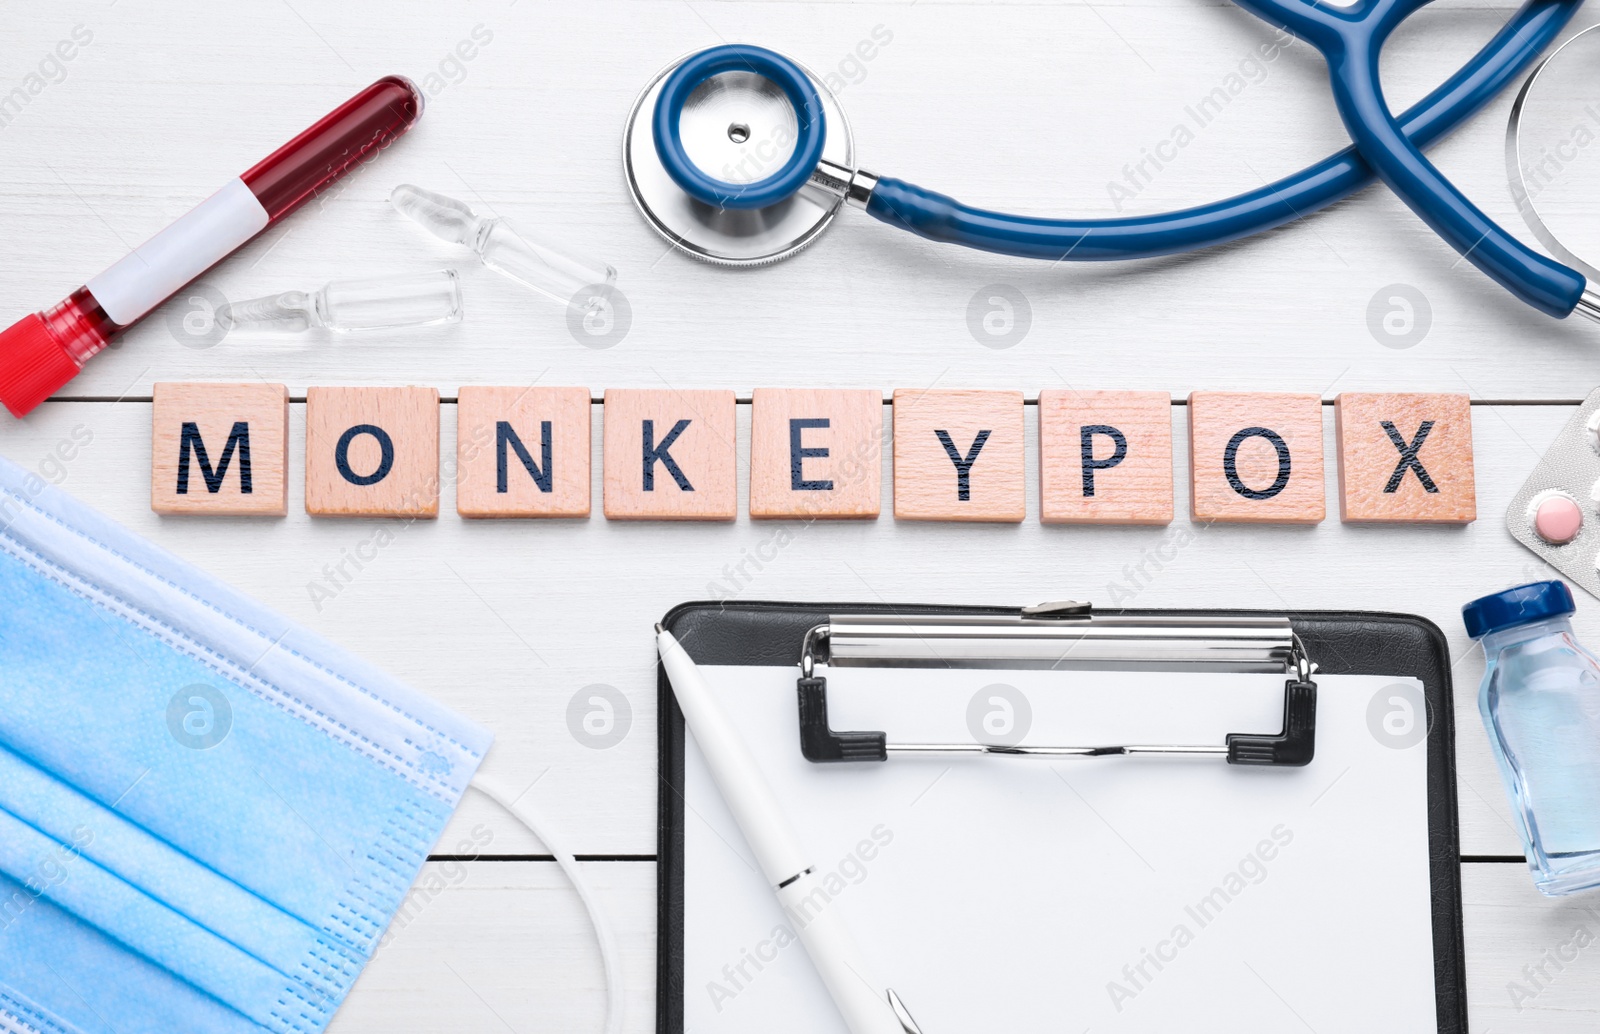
1523, 605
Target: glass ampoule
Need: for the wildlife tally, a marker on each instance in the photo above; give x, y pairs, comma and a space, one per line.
372, 303
555, 273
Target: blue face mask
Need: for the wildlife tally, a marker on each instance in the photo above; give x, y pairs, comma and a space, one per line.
208, 816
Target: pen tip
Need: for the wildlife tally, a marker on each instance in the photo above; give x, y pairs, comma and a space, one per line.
660, 628
902, 1014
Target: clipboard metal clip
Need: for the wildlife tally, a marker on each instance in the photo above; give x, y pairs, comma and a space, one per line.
1061, 636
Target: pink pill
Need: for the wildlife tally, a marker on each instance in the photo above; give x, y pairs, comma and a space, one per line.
1557, 520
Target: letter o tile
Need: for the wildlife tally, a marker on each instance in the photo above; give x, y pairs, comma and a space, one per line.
1256, 457
372, 452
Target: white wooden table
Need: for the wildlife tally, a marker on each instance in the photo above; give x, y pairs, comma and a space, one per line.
1026, 106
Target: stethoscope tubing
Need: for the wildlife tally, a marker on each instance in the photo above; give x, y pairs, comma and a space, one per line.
1351, 39
1386, 147
940, 218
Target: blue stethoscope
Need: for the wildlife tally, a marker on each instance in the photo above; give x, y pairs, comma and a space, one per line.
739, 155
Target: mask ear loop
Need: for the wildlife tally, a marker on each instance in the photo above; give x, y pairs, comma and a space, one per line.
569, 865
1514, 168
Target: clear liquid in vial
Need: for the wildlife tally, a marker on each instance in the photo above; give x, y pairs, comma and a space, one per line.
1540, 703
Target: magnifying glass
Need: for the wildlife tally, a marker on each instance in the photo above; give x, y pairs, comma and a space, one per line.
1553, 151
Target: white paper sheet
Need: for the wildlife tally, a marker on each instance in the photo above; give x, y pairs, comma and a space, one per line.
1125, 895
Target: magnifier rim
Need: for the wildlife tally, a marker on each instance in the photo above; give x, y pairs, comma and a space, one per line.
1521, 195
740, 57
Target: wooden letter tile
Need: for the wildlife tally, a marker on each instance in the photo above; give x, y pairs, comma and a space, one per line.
815, 452
1256, 457
670, 455
1405, 458
1105, 457
522, 452
372, 452
220, 448
958, 456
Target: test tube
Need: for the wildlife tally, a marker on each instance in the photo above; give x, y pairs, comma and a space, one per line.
42, 352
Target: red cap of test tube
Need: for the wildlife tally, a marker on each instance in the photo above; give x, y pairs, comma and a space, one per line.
42, 352
33, 365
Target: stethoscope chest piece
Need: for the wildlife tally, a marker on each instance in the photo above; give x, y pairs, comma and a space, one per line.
719, 150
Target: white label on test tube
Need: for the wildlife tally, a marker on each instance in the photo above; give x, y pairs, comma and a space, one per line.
154, 271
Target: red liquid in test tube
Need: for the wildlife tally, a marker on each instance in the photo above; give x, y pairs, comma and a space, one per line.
42, 352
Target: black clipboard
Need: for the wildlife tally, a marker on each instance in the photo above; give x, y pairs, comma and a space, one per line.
1341, 642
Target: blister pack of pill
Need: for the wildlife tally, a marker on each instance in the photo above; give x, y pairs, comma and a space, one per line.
1557, 511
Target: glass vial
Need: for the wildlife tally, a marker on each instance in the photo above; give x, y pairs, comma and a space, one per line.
1540, 702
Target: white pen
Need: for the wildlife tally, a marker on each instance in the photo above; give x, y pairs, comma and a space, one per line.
866, 1009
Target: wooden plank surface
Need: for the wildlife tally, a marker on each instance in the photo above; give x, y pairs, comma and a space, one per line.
1004, 104
998, 103
506, 946
524, 618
